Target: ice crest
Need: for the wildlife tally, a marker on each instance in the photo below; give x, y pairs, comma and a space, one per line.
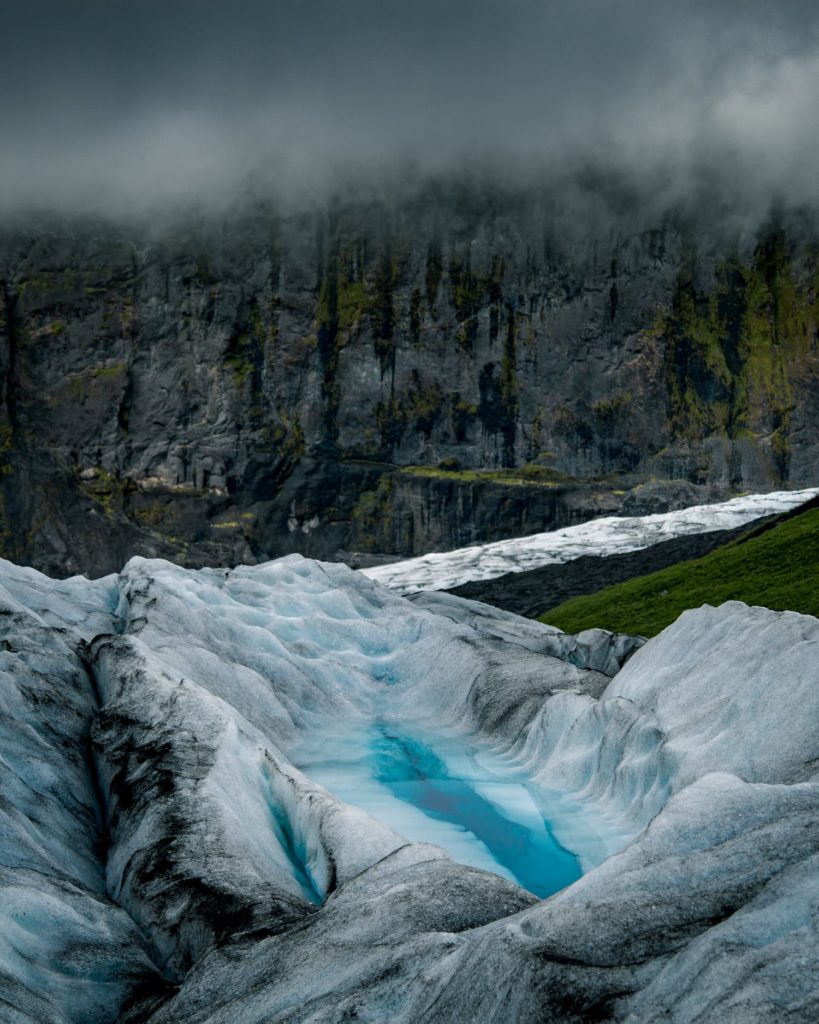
285, 792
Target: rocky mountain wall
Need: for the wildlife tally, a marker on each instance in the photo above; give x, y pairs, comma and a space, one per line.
393, 374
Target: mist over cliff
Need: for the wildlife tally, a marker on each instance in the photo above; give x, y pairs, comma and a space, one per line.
122, 108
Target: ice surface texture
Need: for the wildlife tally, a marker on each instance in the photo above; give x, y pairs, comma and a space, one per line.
608, 536
168, 853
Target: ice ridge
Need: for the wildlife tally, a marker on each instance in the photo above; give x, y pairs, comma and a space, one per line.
182, 753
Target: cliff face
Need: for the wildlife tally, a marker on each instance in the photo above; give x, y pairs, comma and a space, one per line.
239, 388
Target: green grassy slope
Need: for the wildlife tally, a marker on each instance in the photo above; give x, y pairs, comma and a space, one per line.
777, 568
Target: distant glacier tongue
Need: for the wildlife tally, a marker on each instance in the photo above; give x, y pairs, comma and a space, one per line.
607, 536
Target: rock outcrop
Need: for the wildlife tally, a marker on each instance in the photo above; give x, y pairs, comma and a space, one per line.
236, 387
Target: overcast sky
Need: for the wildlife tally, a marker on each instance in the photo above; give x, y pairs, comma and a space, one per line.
122, 103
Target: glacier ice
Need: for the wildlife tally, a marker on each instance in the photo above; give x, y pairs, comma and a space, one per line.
438, 789
597, 649
606, 536
287, 793
67, 950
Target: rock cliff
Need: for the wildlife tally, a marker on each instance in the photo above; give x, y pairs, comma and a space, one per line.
393, 373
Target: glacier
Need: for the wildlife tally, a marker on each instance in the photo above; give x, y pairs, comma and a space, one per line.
286, 793
608, 535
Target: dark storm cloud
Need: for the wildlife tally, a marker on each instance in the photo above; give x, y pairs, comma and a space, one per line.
140, 102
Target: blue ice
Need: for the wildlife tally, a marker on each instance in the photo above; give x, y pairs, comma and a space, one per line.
436, 789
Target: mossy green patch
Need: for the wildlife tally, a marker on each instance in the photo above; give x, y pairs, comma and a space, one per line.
352, 304
468, 292
778, 568
341, 303
241, 366
608, 410
128, 314
108, 371
152, 515
330, 338
93, 381
733, 353
108, 490
46, 284
525, 476
462, 413
372, 516
246, 351
288, 435
421, 404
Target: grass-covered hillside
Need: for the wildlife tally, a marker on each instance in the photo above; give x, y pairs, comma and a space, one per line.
776, 567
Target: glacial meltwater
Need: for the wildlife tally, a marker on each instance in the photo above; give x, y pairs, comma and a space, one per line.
440, 789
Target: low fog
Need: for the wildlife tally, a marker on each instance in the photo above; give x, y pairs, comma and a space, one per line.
131, 106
